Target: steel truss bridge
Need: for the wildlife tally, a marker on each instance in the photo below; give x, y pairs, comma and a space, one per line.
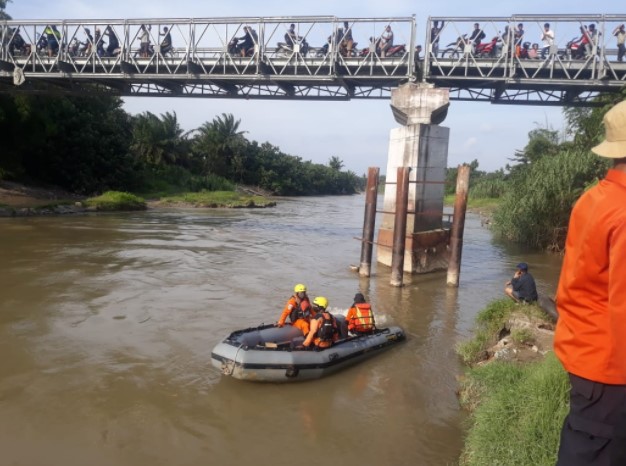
202, 61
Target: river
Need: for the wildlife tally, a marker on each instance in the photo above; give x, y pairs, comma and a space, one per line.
107, 322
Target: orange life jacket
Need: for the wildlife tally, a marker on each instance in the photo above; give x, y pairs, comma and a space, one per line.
327, 331
302, 310
362, 319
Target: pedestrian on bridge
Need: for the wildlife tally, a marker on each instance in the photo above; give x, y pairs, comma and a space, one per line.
548, 40
518, 37
435, 33
144, 41
590, 336
620, 34
386, 41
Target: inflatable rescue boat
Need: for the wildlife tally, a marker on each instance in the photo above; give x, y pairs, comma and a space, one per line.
272, 354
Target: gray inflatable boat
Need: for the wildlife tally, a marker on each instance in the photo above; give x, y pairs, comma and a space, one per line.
269, 354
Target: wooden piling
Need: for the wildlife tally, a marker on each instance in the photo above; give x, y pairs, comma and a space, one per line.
369, 221
458, 225
399, 226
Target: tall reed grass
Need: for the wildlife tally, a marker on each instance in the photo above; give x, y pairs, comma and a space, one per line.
536, 207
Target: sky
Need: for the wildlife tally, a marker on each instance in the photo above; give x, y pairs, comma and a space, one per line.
355, 131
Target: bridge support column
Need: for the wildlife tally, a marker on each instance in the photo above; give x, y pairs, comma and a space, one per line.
422, 145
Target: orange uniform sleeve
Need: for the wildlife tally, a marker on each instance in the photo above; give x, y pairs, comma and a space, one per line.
350, 317
288, 308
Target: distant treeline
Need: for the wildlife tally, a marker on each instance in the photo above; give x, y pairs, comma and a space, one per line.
90, 145
537, 191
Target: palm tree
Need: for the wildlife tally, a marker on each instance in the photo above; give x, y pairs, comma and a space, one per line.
157, 140
335, 163
222, 146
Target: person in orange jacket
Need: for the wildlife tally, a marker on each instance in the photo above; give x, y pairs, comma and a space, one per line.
297, 309
360, 317
324, 330
590, 335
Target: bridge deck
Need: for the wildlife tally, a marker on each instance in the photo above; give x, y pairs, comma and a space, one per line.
204, 60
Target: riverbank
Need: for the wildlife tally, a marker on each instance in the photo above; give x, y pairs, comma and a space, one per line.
18, 200
514, 388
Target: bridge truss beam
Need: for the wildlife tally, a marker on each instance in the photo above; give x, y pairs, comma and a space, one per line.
311, 61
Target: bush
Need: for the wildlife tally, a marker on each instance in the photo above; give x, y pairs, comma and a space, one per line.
535, 209
168, 180
116, 200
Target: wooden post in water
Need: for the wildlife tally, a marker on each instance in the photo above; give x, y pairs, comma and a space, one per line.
369, 222
458, 224
399, 226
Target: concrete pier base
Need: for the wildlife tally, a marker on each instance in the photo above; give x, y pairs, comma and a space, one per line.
422, 145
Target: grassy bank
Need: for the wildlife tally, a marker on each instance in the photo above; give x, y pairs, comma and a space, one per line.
486, 204
516, 408
230, 199
116, 200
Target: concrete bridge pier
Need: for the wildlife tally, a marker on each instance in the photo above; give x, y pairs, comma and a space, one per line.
421, 144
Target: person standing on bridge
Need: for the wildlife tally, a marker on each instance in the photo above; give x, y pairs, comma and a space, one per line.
590, 336
144, 41
113, 48
386, 40
347, 42
547, 37
620, 34
435, 33
518, 37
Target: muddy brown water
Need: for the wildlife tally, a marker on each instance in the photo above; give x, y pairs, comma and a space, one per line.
107, 324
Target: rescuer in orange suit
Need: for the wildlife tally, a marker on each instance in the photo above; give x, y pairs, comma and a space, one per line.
360, 317
324, 330
298, 309
590, 336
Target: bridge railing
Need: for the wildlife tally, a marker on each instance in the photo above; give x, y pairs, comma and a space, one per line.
548, 49
314, 46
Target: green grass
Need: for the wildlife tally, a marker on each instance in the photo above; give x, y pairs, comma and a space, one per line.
218, 199
116, 200
483, 203
489, 321
522, 336
516, 410
516, 413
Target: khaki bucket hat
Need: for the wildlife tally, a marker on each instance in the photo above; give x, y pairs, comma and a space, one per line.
614, 144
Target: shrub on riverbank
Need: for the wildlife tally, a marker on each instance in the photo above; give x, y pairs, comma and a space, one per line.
516, 409
116, 200
171, 180
535, 209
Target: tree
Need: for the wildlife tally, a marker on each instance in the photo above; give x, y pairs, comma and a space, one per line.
585, 124
541, 142
158, 141
335, 163
221, 146
77, 143
3, 5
